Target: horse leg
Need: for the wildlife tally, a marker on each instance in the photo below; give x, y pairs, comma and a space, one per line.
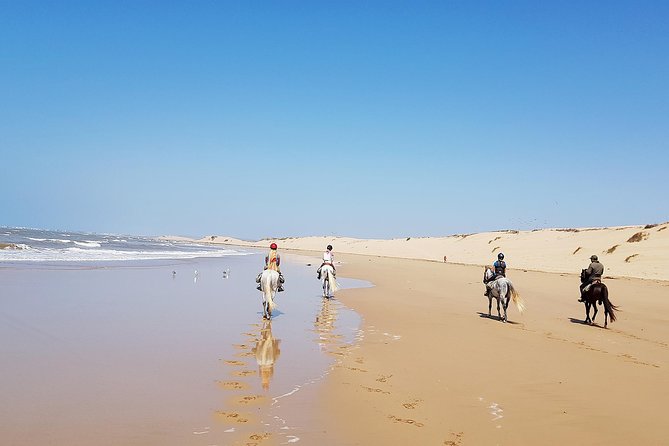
594, 308
499, 315
587, 313
505, 304
489, 306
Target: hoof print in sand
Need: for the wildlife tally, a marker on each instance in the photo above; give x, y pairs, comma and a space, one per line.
246, 373
235, 363
231, 417
456, 441
250, 399
384, 378
232, 385
371, 389
412, 405
406, 420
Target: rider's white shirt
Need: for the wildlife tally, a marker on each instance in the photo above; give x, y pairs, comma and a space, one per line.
328, 257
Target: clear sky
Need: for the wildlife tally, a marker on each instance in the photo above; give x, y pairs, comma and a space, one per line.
364, 119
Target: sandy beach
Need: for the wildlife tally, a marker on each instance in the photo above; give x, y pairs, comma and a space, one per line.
134, 354
431, 367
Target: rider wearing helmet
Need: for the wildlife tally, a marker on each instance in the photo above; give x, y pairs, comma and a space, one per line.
500, 266
273, 262
500, 271
592, 275
328, 259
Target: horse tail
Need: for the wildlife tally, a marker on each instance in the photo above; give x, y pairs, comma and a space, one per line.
608, 306
334, 286
515, 297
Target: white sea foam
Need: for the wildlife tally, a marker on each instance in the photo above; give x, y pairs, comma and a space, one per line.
75, 254
88, 244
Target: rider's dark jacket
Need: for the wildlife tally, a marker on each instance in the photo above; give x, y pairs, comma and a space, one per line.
594, 271
500, 268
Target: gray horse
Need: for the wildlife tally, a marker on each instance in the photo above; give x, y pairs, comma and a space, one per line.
501, 289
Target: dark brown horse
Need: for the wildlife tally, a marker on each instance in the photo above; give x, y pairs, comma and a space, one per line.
597, 293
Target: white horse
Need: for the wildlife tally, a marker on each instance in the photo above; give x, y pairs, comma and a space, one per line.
500, 289
328, 281
269, 284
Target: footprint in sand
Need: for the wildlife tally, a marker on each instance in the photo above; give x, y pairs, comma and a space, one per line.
246, 373
406, 420
231, 385
356, 369
245, 354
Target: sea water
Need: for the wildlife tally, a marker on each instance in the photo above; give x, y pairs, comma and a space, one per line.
110, 339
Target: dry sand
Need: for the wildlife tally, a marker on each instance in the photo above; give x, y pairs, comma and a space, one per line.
628, 251
432, 368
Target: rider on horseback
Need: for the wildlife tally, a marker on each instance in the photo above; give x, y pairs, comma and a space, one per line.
272, 261
592, 275
328, 259
500, 271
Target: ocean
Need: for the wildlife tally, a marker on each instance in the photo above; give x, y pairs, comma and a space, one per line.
39, 245
117, 339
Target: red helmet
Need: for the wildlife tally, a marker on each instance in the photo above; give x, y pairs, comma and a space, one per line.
272, 246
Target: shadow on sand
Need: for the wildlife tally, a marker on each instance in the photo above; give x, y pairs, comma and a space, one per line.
573, 320
495, 318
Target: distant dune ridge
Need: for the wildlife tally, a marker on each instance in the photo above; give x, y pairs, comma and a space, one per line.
626, 251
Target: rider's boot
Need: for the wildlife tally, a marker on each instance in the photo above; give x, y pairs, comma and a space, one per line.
581, 299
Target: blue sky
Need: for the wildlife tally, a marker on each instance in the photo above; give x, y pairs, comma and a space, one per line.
365, 119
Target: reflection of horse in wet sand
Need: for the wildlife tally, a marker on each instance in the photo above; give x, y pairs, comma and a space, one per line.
267, 352
501, 289
328, 280
269, 284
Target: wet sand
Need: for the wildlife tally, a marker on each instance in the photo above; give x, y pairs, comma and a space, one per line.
128, 354
432, 368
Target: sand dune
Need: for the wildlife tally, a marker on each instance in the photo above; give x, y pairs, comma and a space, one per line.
628, 251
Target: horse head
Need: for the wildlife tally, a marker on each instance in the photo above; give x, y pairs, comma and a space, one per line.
584, 276
489, 273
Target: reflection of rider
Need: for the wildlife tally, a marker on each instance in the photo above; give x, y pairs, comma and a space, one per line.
500, 271
592, 275
328, 259
273, 262
267, 352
